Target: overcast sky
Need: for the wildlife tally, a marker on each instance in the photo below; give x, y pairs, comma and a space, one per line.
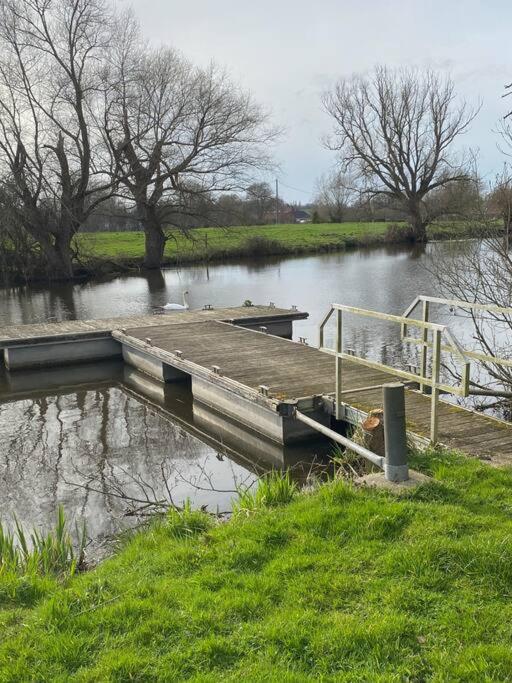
287, 52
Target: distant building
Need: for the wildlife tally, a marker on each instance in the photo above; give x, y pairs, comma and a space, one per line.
302, 216
288, 214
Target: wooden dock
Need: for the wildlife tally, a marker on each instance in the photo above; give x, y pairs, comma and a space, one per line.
75, 341
14, 335
243, 361
240, 368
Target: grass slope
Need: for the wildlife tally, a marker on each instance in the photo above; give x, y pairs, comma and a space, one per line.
343, 584
218, 243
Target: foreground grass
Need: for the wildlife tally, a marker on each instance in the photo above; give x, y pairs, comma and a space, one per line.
217, 243
342, 584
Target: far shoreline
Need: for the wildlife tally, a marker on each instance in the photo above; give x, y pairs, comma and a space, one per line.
107, 255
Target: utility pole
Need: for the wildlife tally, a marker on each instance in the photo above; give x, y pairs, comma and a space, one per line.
277, 201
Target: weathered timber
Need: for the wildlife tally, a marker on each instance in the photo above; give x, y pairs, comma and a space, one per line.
298, 373
72, 329
51, 344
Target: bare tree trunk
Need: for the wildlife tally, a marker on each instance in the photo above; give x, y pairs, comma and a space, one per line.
417, 222
59, 262
64, 255
154, 242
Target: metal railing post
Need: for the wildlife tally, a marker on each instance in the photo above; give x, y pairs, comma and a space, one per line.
436, 368
424, 348
395, 437
339, 349
322, 327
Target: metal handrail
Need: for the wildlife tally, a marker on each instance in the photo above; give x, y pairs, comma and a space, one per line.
427, 328
452, 303
342, 440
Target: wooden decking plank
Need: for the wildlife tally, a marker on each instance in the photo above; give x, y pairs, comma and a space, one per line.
20, 332
298, 371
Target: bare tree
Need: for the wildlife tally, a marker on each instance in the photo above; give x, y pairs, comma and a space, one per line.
176, 130
395, 132
480, 271
507, 93
259, 202
500, 200
50, 152
335, 193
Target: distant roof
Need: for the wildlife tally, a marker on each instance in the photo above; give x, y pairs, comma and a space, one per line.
300, 213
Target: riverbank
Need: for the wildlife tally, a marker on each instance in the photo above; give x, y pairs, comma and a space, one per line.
120, 251
108, 254
344, 583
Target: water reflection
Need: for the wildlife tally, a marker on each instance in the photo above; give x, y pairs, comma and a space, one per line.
110, 433
385, 278
107, 439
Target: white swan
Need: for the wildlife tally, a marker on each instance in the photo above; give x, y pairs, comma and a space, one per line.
178, 307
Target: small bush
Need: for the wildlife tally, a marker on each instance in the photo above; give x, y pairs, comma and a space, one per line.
41, 554
274, 488
188, 523
263, 246
399, 232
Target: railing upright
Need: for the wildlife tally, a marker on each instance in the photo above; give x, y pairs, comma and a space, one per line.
424, 348
436, 371
339, 369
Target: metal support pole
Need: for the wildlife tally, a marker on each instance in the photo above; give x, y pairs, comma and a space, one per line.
424, 348
395, 438
339, 349
436, 367
277, 201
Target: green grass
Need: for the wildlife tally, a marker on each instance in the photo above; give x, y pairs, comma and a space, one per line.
275, 488
222, 243
342, 584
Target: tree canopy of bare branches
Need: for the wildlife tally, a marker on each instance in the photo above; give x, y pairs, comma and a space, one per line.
481, 271
50, 158
395, 132
334, 195
89, 113
176, 131
507, 93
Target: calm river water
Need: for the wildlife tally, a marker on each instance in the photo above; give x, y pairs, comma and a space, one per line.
101, 428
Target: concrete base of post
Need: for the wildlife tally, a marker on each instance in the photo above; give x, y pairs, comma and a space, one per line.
378, 480
396, 473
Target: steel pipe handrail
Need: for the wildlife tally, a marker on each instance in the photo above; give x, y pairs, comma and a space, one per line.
454, 303
459, 303
433, 381
377, 460
389, 317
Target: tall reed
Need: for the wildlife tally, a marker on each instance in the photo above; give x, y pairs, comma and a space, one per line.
40, 553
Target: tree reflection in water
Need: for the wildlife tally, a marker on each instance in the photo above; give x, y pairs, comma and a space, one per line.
112, 441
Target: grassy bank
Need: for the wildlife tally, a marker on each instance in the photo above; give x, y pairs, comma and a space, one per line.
342, 584
214, 244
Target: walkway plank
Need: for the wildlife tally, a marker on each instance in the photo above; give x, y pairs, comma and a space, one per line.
294, 371
19, 334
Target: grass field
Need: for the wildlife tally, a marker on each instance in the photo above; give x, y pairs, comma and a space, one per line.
222, 243
341, 584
